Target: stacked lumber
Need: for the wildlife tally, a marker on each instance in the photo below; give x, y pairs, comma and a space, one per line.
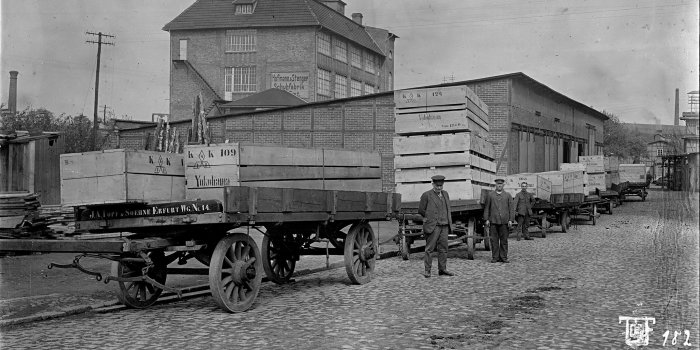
595, 173
635, 174
209, 169
612, 174
121, 176
59, 218
19, 216
565, 181
540, 187
442, 131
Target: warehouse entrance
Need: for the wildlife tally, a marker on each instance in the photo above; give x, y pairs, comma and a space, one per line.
567, 151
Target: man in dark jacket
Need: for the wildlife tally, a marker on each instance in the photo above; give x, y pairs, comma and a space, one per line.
523, 210
434, 207
498, 215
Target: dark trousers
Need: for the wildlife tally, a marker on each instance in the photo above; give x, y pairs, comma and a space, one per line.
523, 225
438, 238
499, 241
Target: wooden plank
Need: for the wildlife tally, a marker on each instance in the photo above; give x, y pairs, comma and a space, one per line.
457, 190
437, 122
74, 246
594, 164
285, 172
154, 189
431, 160
151, 162
359, 201
410, 98
93, 190
471, 95
92, 164
304, 201
369, 185
280, 155
199, 156
213, 176
301, 184
424, 174
478, 111
596, 181
432, 144
348, 158
215, 193
330, 173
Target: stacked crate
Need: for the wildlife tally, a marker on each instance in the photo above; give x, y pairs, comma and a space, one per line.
595, 171
612, 175
537, 185
565, 181
211, 168
635, 174
442, 131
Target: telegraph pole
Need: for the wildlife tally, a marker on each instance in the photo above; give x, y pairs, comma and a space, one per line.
99, 43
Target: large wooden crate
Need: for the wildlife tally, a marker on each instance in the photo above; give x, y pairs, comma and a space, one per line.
565, 181
537, 185
594, 164
611, 177
442, 144
596, 182
634, 173
611, 163
211, 168
458, 190
121, 176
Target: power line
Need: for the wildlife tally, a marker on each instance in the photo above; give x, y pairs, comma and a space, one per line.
99, 43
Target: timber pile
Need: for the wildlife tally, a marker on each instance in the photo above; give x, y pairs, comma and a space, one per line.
59, 218
211, 168
19, 216
442, 131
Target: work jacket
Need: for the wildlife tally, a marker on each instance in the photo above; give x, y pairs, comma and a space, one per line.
429, 208
522, 204
498, 208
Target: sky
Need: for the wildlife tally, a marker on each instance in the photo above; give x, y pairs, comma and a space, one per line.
626, 57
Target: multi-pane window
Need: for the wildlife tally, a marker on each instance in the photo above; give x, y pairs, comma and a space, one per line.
355, 56
240, 40
323, 85
369, 89
659, 152
370, 62
240, 79
341, 50
243, 9
323, 42
355, 88
341, 86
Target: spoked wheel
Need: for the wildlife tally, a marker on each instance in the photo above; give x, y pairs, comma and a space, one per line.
278, 256
140, 294
360, 254
544, 224
610, 208
564, 221
405, 247
593, 215
235, 272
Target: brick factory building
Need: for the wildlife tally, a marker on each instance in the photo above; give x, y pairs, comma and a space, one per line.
540, 127
231, 49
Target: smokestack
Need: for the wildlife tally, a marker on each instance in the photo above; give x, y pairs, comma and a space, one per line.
676, 118
12, 99
357, 17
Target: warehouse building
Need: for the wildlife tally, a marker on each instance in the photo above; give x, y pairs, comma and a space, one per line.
539, 127
231, 49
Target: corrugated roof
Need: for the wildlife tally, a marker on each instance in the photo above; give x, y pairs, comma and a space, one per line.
218, 14
268, 98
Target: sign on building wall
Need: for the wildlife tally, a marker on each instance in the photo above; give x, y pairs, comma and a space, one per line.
296, 83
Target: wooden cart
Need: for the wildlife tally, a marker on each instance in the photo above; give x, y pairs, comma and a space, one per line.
563, 207
292, 219
633, 189
467, 226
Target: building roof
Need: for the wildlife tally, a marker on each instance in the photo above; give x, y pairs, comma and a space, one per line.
270, 98
219, 14
532, 82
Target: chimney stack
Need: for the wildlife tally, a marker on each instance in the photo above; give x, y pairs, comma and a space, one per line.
12, 98
337, 5
676, 118
357, 17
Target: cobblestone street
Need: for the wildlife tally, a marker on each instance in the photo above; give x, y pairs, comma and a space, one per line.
566, 291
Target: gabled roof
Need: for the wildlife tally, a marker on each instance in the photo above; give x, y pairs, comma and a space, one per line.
218, 14
270, 98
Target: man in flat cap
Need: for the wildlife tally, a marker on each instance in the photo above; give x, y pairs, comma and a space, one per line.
498, 214
523, 210
435, 209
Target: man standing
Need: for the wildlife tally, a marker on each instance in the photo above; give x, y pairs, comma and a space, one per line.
434, 207
523, 211
498, 215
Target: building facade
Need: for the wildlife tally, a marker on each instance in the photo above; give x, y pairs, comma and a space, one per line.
691, 139
226, 50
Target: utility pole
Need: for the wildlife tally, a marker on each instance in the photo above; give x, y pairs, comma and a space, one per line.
99, 43
104, 113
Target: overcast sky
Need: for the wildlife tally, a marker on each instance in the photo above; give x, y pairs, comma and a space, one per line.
623, 56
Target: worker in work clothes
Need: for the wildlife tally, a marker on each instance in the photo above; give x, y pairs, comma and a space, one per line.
523, 210
434, 207
498, 214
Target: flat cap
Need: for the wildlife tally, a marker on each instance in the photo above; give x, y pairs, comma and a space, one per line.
499, 181
438, 178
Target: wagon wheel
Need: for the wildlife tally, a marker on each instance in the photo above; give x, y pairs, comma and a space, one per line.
235, 272
594, 211
564, 221
543, 225
610, 208
360, 254
471, 238
140, 294
278, 256
404, 246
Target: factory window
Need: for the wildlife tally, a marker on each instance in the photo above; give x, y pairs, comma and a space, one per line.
659, 152
239, 79
341, 50
355, 88
324, 82
369, 89
370, 62
355, 57
244, 9
323, 42
341, 86
240, 40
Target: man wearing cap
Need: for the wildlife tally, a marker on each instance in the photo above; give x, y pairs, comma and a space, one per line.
434, 207
523, 210
498, 215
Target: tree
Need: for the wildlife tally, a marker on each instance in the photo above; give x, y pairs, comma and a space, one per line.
75, 131
620, 142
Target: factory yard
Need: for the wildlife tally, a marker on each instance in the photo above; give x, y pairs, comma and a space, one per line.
565, 291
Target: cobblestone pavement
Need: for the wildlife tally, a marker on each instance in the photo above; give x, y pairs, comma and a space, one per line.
566, 291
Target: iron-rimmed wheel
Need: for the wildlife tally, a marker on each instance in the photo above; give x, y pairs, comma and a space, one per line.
564, 221
593, 215
277, 256
140, 294
543, 225
404, 246
610, 208
235, 272
360, 253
